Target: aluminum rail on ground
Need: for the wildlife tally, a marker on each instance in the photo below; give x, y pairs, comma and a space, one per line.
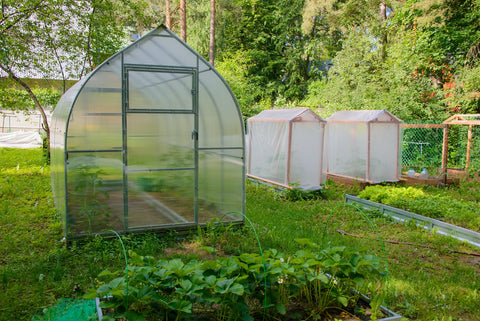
397, 214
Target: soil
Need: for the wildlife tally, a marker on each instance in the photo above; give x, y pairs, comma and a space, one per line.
146, 209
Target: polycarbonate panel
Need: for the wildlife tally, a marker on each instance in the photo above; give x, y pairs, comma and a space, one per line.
160, 198
57, 167
159, 141
347, 149
160, 50
306, 155
57, 147
158, 147
94, 193
220, 123
220, 184
160, 90
268, 150
96, 119
384, 152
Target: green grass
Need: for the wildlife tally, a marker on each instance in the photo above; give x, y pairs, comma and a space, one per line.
37, 268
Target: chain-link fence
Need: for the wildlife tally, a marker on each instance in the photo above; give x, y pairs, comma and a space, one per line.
422, 146
458, 147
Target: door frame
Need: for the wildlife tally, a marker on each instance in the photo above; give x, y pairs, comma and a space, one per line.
193, 72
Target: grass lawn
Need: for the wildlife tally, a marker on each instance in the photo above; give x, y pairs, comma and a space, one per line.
427, 281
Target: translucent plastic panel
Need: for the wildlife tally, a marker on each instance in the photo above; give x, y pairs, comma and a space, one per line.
268, 150
159, 90
220, 123
159, 141
160, 198
306, 154
96, 119
160, 50
61, 112
384, 152
303, 114
57, 167
347, 149
221, 184
94, 193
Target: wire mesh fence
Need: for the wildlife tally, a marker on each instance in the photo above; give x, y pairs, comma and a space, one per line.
422, 146
458, 147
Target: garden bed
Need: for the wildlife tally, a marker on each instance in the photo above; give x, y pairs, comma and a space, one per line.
360, 312
429, 202
310, 284
425, 222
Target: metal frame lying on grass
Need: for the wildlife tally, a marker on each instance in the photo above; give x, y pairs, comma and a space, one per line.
391, 315
442, 228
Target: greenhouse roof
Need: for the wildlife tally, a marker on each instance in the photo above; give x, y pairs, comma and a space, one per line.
294, 114
365, 116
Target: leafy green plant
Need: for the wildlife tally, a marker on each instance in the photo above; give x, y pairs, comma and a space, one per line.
295, 193
235, 287
425, 201
88, 185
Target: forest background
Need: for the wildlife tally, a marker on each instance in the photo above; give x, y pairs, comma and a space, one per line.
418, 59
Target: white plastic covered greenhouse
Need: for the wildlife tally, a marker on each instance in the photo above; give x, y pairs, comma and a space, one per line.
151, 139
364, 145
285, 147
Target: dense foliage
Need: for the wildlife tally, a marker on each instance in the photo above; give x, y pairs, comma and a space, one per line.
429, 202
415, 58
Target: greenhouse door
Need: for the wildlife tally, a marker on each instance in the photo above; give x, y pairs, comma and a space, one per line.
160, 146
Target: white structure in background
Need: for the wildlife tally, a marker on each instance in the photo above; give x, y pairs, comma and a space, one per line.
364, 144
19, 130
285, 147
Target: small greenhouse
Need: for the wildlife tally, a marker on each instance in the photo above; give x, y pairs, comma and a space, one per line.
285, 147
364, 145
151, 139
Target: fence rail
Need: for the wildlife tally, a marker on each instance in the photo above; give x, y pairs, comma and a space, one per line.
17, 121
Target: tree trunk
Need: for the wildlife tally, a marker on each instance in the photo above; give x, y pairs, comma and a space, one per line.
32, 95
168, 17
183, 20
211, 54
383, 15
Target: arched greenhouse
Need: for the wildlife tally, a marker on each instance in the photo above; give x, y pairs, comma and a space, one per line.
151, 139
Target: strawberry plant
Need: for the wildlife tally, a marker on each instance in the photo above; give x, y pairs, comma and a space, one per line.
235, 287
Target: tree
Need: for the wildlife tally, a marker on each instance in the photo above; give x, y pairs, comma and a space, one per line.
211, 52
52, 38
168, 15
183, 20
268, 34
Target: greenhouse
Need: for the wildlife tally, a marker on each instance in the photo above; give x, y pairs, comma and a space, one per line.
285, 148
363, 145
151, 139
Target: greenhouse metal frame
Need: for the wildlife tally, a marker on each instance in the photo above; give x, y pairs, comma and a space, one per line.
151, 139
